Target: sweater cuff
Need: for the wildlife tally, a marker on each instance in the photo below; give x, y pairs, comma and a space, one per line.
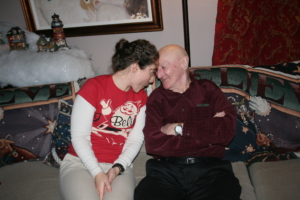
95, 171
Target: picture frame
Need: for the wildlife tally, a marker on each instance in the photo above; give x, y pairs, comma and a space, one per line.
96, 28
186, 29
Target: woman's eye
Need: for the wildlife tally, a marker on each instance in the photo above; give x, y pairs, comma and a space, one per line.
153, 73
87, 1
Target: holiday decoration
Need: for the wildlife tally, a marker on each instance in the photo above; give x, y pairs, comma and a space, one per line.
59, 36
17, 39
46, 44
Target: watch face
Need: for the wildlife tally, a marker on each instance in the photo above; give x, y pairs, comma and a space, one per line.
178, 129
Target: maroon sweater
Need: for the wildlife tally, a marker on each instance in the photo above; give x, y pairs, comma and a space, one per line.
203, 134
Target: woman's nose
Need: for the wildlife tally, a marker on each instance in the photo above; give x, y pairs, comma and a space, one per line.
152, 79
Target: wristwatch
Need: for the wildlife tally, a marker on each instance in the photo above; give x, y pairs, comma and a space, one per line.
121, 168
178, 129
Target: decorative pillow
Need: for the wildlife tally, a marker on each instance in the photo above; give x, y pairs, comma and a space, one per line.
269, 155
27, 118
244, 143
272, 97
292, 68
61, 136
283, 122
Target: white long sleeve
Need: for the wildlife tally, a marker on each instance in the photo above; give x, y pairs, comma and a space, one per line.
134, 141
81, 128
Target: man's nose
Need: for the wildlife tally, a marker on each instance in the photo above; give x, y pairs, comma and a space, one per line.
159, 72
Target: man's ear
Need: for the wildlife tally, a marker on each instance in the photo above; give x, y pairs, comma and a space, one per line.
184, 62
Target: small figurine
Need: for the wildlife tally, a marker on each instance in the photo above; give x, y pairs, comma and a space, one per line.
58, 31
17, 39
1, 40
46, 44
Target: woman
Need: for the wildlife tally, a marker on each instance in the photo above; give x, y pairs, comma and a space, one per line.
106, 127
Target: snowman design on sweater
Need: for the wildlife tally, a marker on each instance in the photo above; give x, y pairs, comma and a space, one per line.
115, 122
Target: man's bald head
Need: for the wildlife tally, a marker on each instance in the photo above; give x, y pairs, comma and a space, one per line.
173, 50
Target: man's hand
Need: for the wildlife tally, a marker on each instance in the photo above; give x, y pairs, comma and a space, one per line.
102, 184
168, 129
220, 114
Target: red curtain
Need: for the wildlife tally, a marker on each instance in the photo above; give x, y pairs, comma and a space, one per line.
257, 32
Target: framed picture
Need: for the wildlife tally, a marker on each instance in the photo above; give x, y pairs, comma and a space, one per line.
93, 17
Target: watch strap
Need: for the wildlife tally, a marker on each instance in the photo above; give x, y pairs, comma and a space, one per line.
121, 168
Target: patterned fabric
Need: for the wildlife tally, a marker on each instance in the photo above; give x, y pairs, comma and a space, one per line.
292, 68
250, 145
61, 136
27, 119
257, 32
244, 143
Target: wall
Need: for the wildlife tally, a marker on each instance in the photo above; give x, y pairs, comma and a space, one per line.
202, 14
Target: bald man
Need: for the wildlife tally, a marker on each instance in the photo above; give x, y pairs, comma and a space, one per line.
188, 125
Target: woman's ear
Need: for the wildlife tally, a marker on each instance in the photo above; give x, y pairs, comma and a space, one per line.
184, 62
134, 67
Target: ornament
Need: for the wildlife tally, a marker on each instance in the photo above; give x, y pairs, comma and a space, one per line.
58, 31
17, 39
46, 44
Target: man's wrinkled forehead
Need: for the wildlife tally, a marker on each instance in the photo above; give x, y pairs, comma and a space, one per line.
167, 57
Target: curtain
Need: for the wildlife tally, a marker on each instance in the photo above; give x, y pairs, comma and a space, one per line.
257, 32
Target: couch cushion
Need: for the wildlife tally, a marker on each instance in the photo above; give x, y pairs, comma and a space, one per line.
241, 172
276, 180
27, 119
29, 180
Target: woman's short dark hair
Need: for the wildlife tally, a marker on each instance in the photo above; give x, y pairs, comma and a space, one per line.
139, 51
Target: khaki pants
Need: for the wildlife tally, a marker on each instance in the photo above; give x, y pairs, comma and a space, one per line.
76, 182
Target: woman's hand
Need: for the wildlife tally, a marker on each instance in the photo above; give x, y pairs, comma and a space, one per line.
102, 184
112, 173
